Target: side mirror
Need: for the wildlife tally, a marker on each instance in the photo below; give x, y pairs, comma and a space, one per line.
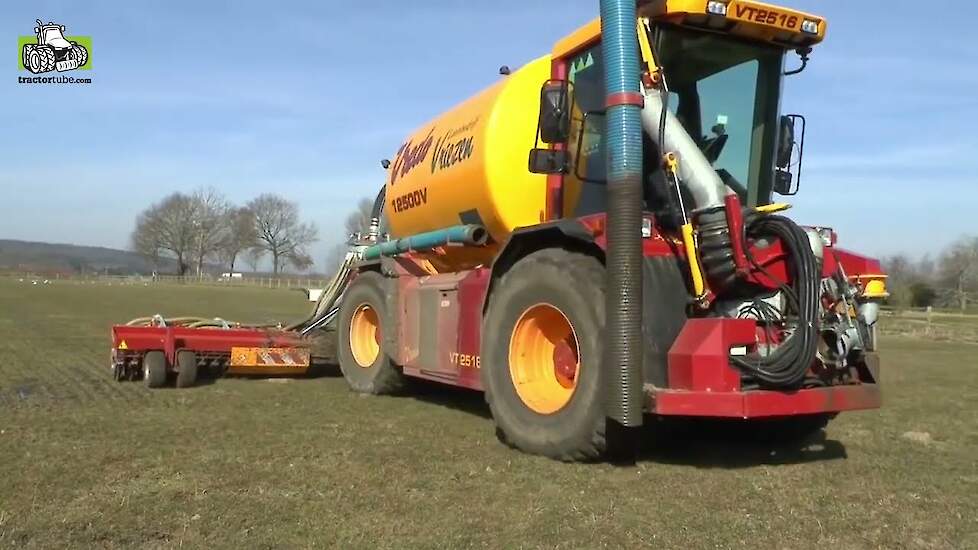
786, 141
548, 161
787, 175
554, 120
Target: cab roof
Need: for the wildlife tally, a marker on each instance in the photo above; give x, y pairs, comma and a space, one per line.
746, 18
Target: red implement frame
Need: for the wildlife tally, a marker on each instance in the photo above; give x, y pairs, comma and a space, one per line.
130, 343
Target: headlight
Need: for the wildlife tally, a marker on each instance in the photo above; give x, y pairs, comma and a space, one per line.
828, 236
809, 26
716, 8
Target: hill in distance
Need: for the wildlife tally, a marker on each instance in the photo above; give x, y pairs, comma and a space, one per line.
70, 259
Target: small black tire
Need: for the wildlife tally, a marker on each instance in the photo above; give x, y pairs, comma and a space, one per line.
186, 368
365, 296
574, 285
154, 369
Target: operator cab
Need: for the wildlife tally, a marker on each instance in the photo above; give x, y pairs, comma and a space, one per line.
725, 89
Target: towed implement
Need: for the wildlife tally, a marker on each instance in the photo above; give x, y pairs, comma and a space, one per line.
595, 239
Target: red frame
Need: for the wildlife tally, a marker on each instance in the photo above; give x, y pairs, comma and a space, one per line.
211, 341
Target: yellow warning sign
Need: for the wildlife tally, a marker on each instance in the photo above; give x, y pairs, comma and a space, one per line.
123, 345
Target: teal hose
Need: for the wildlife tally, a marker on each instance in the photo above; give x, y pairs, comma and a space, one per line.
623, 329
473, 235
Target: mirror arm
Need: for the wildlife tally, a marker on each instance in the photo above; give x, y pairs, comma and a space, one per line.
803, 53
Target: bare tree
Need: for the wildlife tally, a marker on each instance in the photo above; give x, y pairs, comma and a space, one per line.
254, 255
958, 268
358, 221
281, 233
209, 223
240, 234
167, 228
335, 257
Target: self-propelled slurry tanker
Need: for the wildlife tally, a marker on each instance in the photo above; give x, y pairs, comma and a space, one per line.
595, 239
493, 269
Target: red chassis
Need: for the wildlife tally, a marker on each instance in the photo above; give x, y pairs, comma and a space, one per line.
440, 321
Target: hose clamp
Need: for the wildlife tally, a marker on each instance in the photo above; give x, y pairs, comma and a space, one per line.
625, 98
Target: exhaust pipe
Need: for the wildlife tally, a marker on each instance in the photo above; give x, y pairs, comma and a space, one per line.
623, 348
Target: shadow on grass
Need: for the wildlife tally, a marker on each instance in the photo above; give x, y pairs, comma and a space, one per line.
729, 444
460, 399
323, 368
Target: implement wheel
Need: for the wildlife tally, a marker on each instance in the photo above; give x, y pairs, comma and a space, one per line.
362, 319
186, 368
154, 369
541, 356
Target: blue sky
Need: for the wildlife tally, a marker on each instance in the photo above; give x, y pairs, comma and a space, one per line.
305, 98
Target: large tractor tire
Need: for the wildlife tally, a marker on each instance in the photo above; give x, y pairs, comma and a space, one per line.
154, 369
362, 319
541, 356
40, 60
26, 54
186, 369
79, 53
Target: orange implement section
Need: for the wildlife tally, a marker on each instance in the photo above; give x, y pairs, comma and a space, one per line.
268, 361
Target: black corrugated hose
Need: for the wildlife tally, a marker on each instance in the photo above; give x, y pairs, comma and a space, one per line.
788, 364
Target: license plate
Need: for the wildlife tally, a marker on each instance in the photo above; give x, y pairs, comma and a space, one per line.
765, 15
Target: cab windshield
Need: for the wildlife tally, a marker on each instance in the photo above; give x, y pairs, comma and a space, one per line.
726, 94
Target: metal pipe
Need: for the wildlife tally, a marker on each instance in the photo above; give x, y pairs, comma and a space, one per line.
623, 326
472, 235
695, 171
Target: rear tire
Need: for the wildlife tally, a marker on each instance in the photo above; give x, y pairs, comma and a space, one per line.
154, 369
186, 368
537, 417
363, 319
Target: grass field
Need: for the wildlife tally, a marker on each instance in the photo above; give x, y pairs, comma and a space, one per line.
86, 461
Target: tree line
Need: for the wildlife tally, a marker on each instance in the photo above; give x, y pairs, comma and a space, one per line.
204, 226
950, 280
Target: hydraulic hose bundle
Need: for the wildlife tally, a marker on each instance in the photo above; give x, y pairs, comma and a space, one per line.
787, 365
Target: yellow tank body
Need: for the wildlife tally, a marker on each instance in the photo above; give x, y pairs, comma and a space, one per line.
470, 164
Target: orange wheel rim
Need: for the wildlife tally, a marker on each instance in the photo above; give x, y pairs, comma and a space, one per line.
365, 336
544, 361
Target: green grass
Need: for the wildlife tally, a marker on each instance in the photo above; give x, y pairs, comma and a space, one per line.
86, 461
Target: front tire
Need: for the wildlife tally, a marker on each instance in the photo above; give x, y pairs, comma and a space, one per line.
363, 320
26, 55
541, 356
80, 53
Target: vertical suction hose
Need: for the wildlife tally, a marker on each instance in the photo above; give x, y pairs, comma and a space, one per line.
623, 351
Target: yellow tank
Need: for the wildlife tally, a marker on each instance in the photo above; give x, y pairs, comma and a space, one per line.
470, 164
